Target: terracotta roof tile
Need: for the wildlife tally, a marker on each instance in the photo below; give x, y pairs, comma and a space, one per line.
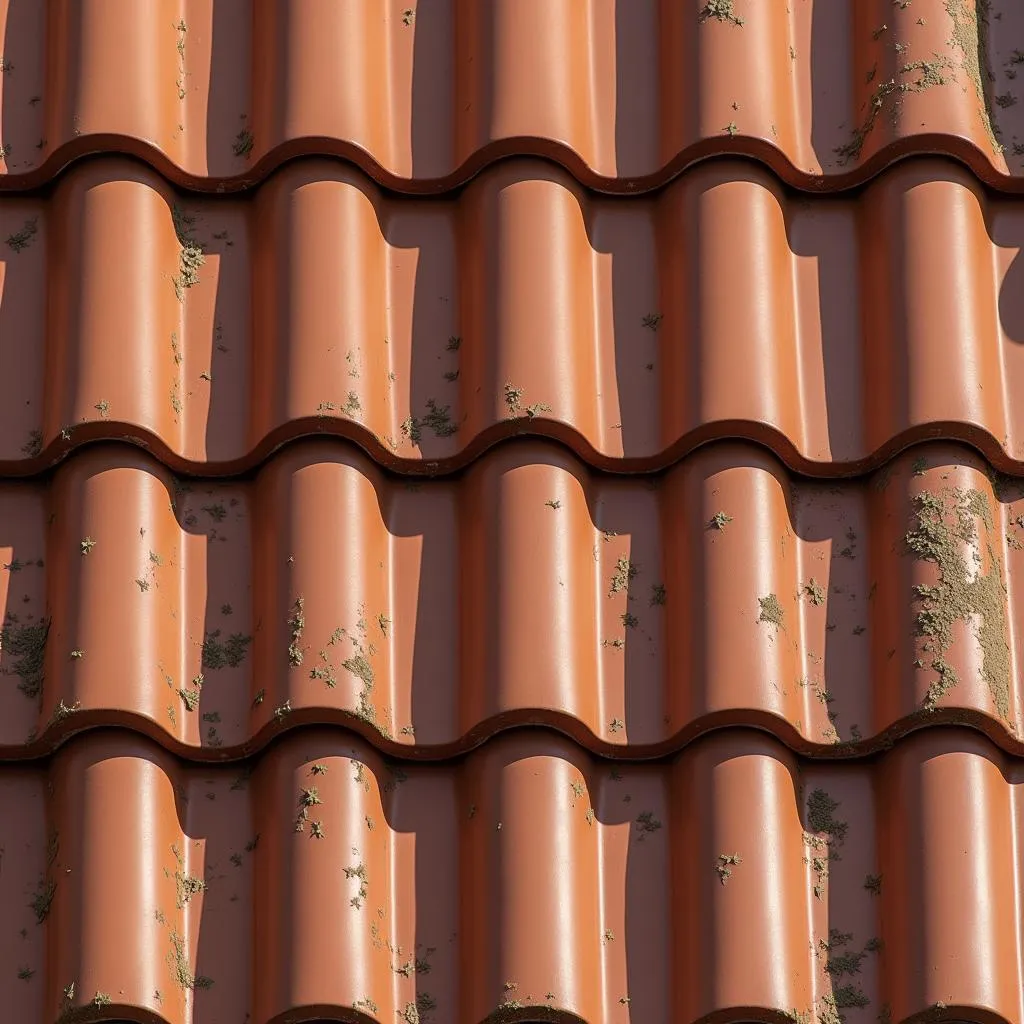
835, 331
424, 95
630, 614
327, 879
435, 590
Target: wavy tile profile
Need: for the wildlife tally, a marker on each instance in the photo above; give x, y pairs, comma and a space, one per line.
631, 615
622, 93
835, 331
511, 510
525, 876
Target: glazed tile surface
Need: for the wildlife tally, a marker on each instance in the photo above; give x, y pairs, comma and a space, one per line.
631, 614
511, 510
834, 331
170, 889
622, 93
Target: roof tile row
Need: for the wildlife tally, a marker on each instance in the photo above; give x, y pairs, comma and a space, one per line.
836, 331
630, 614
526, 875
422, 95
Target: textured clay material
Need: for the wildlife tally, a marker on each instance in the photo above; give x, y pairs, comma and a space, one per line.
631, 614
527, 875
623, 93
835, 331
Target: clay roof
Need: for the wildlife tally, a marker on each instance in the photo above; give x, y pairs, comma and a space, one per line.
511, 511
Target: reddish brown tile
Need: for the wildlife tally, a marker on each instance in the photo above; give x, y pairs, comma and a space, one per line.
623, 93
515, 731
527, 875
630, 614
835, 331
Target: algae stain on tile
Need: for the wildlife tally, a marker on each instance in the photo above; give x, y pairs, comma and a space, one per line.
970, 37
944, 531
771, 611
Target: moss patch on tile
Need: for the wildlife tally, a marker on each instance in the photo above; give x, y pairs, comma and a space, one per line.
842, 958
646, 824
724, 865
358, 872
825, 833
970, 38
20, 240
296, 625
720, 10
911, 77
771, 611
944, 531
25, 645
191, 257
516, 409
42, 899
359, 663
181, 969
227, 653
625, 571
243, 144
719, 521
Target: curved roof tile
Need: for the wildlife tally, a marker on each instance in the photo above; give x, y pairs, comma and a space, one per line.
210, 331
631, 614
423, 96
526, 877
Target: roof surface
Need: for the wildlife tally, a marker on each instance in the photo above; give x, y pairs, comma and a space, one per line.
511, 510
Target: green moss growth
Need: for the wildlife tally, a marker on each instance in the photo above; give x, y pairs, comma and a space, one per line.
242, 146
25, 645
186, 886
358, 872
914, 76
840, 960
970, 37
821, 816
724, 865
229, 653
34, 445
720, 10
42, 899
191, 257
20, 240
625, 571
771, 611
944, 525
646, 824
181, 970
296, 623
516, 409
